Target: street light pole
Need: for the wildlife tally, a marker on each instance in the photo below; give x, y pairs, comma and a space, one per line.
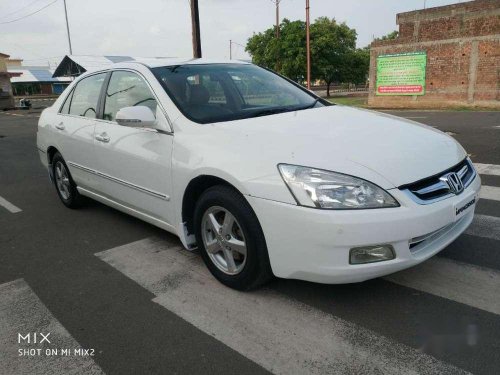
230, 49
67, 28
308, 47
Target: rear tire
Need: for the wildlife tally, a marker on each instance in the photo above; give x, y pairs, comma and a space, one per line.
239, 237
65, 186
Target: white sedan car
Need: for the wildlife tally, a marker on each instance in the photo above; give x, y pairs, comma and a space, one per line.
259, 174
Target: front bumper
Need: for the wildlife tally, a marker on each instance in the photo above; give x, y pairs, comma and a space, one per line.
313, 244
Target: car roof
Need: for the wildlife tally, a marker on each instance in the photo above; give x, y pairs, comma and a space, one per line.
158, 62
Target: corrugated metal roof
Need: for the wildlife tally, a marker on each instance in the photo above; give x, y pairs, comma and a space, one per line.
34, 74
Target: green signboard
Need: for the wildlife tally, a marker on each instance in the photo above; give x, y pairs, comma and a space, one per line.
401, 74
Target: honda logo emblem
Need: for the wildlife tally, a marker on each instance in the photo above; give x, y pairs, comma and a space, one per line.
454, 182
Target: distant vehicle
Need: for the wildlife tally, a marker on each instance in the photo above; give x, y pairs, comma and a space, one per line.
259, 174
24, 104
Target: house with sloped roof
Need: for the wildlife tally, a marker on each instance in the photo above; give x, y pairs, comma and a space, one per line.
34, 80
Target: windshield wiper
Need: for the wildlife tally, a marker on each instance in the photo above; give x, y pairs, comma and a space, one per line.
315, 101
272, 111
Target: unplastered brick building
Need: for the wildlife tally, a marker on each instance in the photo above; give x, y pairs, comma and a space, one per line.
444, 56
6, 98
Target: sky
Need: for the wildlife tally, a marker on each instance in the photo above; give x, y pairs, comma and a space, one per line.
163, 27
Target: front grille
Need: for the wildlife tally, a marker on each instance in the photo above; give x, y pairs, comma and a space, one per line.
418, 243
432, 189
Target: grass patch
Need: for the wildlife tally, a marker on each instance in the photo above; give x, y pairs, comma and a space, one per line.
353, 101
362, 102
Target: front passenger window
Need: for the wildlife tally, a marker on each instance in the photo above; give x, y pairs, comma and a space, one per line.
127, 89
85, 96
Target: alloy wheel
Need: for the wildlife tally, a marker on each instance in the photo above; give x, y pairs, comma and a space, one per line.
223, 240
62, 181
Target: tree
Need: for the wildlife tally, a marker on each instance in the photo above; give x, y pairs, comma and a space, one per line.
392, 35
334, 55
333, 46
359, 65
287, 55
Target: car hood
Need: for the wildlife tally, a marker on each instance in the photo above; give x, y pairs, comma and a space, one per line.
385, 149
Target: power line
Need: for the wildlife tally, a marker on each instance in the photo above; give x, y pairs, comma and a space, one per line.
30, 14
17, 11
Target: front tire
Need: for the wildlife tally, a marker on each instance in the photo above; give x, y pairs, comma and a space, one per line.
230, 239
65, 186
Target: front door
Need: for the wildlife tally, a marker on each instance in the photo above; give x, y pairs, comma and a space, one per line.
133, 164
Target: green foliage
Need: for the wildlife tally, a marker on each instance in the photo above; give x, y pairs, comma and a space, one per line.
392, 35
334, 57
286, 54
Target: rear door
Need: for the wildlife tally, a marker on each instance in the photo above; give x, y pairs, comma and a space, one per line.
75, 125
134, 164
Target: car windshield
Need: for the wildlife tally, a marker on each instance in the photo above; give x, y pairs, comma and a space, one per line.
224, 92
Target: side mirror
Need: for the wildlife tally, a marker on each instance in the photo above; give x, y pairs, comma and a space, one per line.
138, 117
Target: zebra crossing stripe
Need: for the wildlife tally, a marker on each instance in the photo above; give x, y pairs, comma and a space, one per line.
283, 336
487, 169
461, 282
22, 312
490, 192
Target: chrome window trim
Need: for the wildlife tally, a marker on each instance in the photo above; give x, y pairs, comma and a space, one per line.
121, 182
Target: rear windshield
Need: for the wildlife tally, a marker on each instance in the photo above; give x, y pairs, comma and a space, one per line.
225, 92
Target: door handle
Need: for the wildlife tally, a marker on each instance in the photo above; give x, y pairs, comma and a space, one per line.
103, 137
60, 126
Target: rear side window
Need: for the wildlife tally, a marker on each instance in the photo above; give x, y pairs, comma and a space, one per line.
65, 108
127, 89
85, 96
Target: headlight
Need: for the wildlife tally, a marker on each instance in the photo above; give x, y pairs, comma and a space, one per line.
330, 190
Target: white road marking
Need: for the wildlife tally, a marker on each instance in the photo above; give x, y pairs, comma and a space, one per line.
485, 226
490, 192
461, 282
489, 169
283, 336
22, 312
9, 206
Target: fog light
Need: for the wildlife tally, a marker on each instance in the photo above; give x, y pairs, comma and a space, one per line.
371, 254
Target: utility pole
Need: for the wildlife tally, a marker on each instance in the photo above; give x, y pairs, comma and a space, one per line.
67, 28
277, 27
277, 18
308, 47
230, 49
195, 25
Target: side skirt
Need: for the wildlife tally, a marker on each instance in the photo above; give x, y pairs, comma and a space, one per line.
120, 207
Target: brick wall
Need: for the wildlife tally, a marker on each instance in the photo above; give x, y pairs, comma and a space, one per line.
6, 98
462, 42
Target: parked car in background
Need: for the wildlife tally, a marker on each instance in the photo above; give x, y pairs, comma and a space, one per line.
259, 174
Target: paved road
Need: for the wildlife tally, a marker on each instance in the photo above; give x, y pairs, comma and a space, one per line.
122, 290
